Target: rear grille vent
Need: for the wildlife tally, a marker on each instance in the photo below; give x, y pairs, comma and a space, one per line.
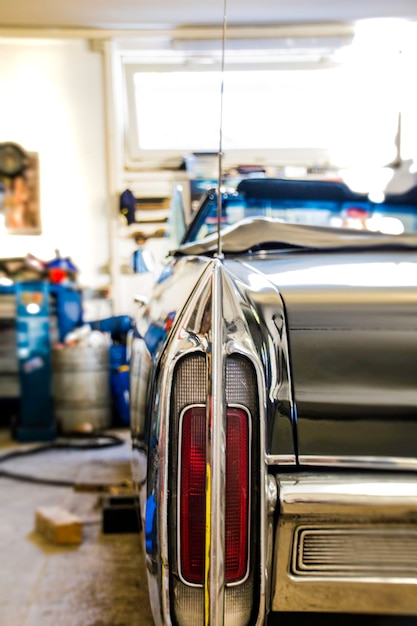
357, 552
241, 384
190, 381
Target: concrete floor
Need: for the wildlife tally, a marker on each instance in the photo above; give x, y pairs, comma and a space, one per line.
101, 582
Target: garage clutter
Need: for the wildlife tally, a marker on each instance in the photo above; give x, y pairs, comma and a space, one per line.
72, 376
90, 376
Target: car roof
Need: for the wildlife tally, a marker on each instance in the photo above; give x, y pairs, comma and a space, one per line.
283, 189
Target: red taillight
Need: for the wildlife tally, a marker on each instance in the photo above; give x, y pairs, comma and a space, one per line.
193, 497
193, 494
237, 493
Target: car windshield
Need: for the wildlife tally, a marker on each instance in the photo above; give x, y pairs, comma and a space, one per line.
354, 212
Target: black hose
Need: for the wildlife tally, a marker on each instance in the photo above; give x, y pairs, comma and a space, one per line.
96, 441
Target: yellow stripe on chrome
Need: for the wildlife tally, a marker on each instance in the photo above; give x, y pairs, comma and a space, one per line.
207, 548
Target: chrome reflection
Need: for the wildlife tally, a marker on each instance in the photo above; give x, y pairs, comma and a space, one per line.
405, 464
347, 550
281, 459
329, 523
360, 462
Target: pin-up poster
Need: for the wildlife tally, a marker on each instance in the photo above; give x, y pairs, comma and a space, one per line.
19, 195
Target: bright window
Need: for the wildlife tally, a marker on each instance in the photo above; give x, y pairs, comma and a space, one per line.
341, 109
263, 109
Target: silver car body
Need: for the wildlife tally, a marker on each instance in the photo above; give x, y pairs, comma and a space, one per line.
313, 350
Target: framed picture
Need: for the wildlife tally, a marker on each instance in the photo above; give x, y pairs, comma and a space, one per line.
19, 199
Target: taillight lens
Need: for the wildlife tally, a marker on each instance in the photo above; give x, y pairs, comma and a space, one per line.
193, 497
237, 493
193, 494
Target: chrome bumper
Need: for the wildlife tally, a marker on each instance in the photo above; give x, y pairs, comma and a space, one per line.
346, 544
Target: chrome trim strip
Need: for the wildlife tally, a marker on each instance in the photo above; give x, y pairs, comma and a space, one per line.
271, 490
281, 459
214, 583
271, 498
361, 462
162, 501
354, 462
348, 494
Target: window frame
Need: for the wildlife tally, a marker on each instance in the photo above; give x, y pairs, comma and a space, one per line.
165, 52
137, 158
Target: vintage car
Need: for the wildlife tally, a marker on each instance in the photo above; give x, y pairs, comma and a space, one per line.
274, 408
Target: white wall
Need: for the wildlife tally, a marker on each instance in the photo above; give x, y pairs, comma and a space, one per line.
52, 103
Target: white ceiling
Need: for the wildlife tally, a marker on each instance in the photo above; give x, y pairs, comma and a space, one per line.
137, 14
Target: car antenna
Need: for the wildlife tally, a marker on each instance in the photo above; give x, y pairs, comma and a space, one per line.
220, 153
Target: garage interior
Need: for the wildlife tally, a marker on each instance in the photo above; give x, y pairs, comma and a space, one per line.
108, 180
